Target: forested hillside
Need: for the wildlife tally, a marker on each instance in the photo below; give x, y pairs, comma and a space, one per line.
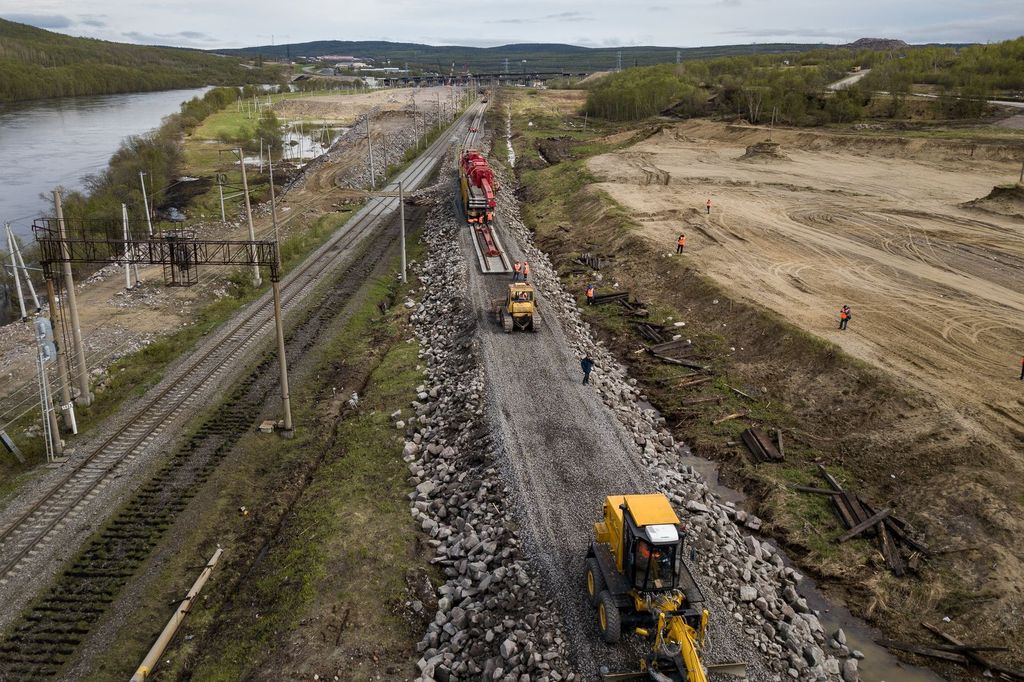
36, 64
537, 56
793, 86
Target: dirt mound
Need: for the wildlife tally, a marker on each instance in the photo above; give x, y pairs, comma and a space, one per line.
877, 44
764, 151
1003, 199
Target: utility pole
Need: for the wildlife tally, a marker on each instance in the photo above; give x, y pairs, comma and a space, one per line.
618, 65
384, 160
369, 152
256, 279
220, 188
16, 251
401, 210
14, 271
677, 56
84, 396
286, 403
145, 203
127, 258
66, 406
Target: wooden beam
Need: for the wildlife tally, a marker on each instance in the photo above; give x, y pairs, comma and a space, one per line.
863, 526
923, 651
726, 418
830, 479
809, 489
977, 658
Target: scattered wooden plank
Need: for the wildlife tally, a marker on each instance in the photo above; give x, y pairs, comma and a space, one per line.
694, 382
924, 651
739, 392
728, 417
976, 657
810, 489
698, 401
778, 438
682, 363
830, 479
842, 511
863, 526
891, 553
760, 445
671, 345
898, 533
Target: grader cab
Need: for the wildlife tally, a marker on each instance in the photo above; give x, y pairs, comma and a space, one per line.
518, 310
637, 579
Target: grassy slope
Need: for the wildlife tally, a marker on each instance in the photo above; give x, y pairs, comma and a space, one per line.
790, 374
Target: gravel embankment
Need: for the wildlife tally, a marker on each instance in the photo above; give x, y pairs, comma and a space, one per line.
521, 430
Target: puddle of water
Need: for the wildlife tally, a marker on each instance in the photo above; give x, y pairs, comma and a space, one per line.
878, 664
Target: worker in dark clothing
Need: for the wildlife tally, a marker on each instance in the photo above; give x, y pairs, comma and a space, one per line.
590, 294
517, 270
680, 243
709, 206
587, 364
1022, 369
526, 271
844, 316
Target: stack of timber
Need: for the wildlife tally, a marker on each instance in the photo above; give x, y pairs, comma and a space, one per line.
955, 651
675, 353
655, 333
761, 445
859, 517
591, 260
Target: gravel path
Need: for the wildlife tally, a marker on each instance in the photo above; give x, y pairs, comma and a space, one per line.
566, 446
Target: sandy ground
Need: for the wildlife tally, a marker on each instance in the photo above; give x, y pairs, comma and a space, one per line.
936, 290
346, 109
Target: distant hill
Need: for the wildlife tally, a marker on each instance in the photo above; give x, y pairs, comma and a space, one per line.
877, 44
36, 64
538, 56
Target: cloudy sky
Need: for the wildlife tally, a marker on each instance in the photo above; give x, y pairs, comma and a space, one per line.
675, 23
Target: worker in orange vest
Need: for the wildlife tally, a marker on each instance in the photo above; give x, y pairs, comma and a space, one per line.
517, 270
526, 270
844, 316
590, 294
709, 206
680, 243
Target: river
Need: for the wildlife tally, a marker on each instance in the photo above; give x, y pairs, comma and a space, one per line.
58, 142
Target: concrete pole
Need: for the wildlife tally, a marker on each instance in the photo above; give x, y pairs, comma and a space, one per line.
145, 203
56, 443
369, 151
14, 271
21, 262
66, 406
401, 210
273, 201
220, 188
157, 650
84, 396
127, 260
256, 279
281, 357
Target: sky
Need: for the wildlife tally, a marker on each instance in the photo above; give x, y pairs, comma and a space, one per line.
485, 23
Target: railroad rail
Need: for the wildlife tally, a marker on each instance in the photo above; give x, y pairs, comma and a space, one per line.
490, 252
192, 381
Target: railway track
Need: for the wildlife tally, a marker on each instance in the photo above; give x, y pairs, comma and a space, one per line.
489, 264
69, 495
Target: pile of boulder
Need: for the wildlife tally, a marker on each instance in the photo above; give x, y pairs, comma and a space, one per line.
492, 620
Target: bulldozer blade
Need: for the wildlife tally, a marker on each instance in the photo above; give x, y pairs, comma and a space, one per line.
735, 669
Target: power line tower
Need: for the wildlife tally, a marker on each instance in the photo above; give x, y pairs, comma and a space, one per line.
506, 66
678, 56
618, 66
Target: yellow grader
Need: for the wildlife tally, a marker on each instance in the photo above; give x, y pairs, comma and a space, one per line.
518, 310
636, 577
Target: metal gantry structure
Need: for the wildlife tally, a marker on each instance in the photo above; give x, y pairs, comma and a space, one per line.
179, 252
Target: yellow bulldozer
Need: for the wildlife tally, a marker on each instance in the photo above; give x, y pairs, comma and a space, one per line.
518, 310
636, 577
